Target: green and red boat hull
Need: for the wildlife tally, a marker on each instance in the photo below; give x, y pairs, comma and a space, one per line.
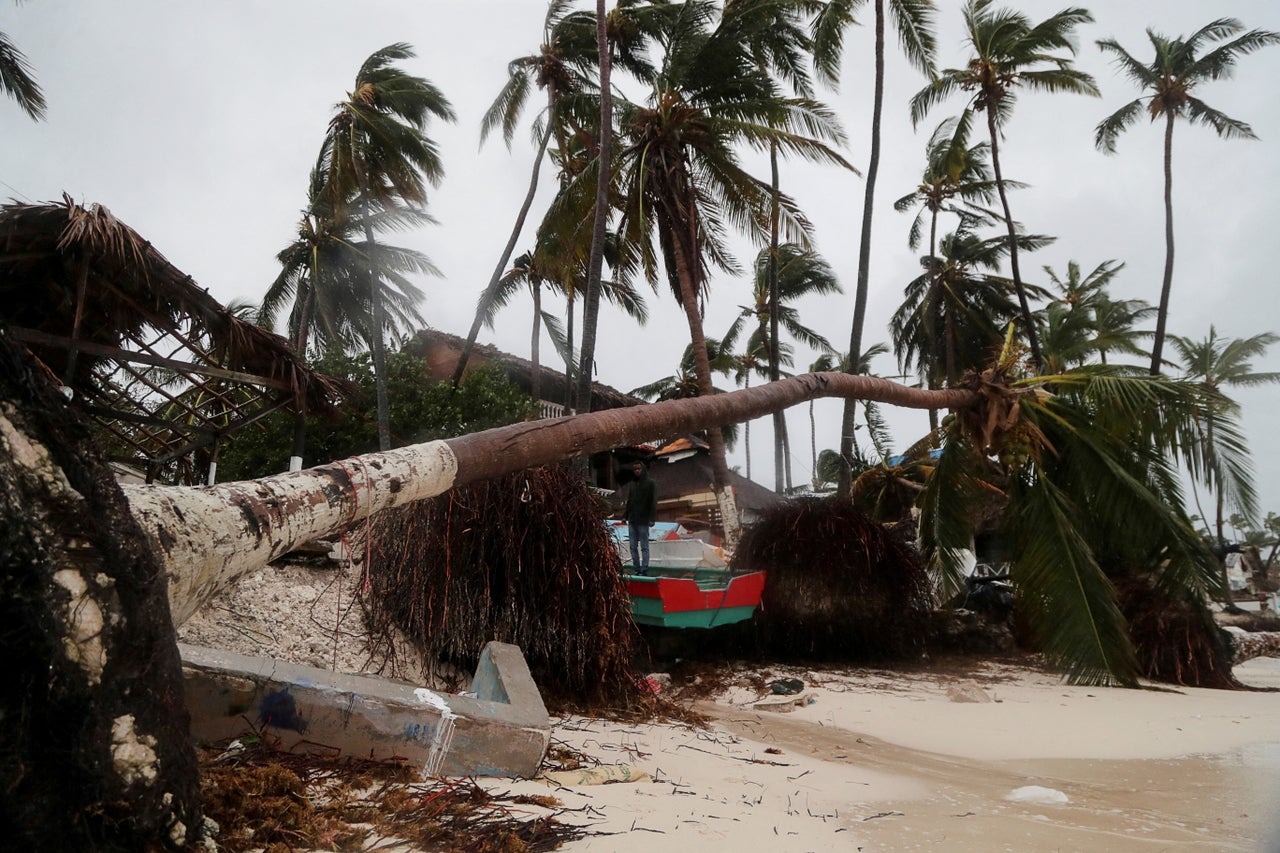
693, 598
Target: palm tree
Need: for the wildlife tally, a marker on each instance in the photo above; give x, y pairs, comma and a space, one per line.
322, 274
683, 182
1084, 322
956, 179
18, 81
379, 156
953, 315
914, 22
1009, 53
772, 32
782, 276
1171, 79
1078, 470
1217, 457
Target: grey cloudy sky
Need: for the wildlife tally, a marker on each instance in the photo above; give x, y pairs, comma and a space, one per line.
197, 123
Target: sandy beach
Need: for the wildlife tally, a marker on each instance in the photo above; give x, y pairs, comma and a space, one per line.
999, 757
954, 755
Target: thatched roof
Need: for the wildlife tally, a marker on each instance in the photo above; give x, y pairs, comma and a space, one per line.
441, 351
162, 366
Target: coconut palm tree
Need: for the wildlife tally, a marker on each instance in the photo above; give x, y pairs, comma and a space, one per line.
17, 79
1009, 53
953, 315
322, 274
1083, 322
914, 22
683, 182
774, 34
1179, 67
956, 179
1078, 469
1217, 457
781, 277
379, 156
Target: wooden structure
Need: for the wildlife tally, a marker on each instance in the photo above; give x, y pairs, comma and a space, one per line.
163, 370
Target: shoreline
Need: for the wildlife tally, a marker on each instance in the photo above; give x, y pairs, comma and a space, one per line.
884, 761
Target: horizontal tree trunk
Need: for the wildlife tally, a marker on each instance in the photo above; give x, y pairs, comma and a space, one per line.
208, 537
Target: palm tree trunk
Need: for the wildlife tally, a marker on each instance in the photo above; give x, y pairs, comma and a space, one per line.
864, 262
786, 447
206, 538
570, 387
813, 445
301, 334
685, 260
492, 287
1028, 322
747, 432
1166, 285
377, 318
535, 348
933, 273
591, 308
773, 313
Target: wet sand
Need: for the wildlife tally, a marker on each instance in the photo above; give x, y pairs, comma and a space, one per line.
886, 761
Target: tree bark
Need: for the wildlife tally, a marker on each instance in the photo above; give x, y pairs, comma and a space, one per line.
209, 537
94, 750
774, 374
1166, 285
1028, 322
847, 422
595, 263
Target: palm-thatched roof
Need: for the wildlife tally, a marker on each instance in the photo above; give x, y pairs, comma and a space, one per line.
441, 350
162, 367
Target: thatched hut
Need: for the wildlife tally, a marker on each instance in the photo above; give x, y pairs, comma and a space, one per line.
163, 370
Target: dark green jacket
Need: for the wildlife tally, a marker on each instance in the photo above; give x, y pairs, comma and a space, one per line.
642, 502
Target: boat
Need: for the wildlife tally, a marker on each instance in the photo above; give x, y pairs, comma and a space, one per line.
688, 583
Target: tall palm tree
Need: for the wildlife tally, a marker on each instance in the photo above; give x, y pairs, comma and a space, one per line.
1010, 53
324, 275
379, 155
683, 181
323, 271
1179, 67
773, 33
1217, 458
914, 22
781, 277
953, 315
17, 79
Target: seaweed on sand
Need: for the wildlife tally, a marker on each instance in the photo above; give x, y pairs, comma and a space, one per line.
265, 799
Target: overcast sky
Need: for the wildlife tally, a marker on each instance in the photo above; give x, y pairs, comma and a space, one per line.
196, 124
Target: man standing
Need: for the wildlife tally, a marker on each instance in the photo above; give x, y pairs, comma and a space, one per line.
640, 512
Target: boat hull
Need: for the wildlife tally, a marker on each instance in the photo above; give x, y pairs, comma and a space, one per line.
693, 598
